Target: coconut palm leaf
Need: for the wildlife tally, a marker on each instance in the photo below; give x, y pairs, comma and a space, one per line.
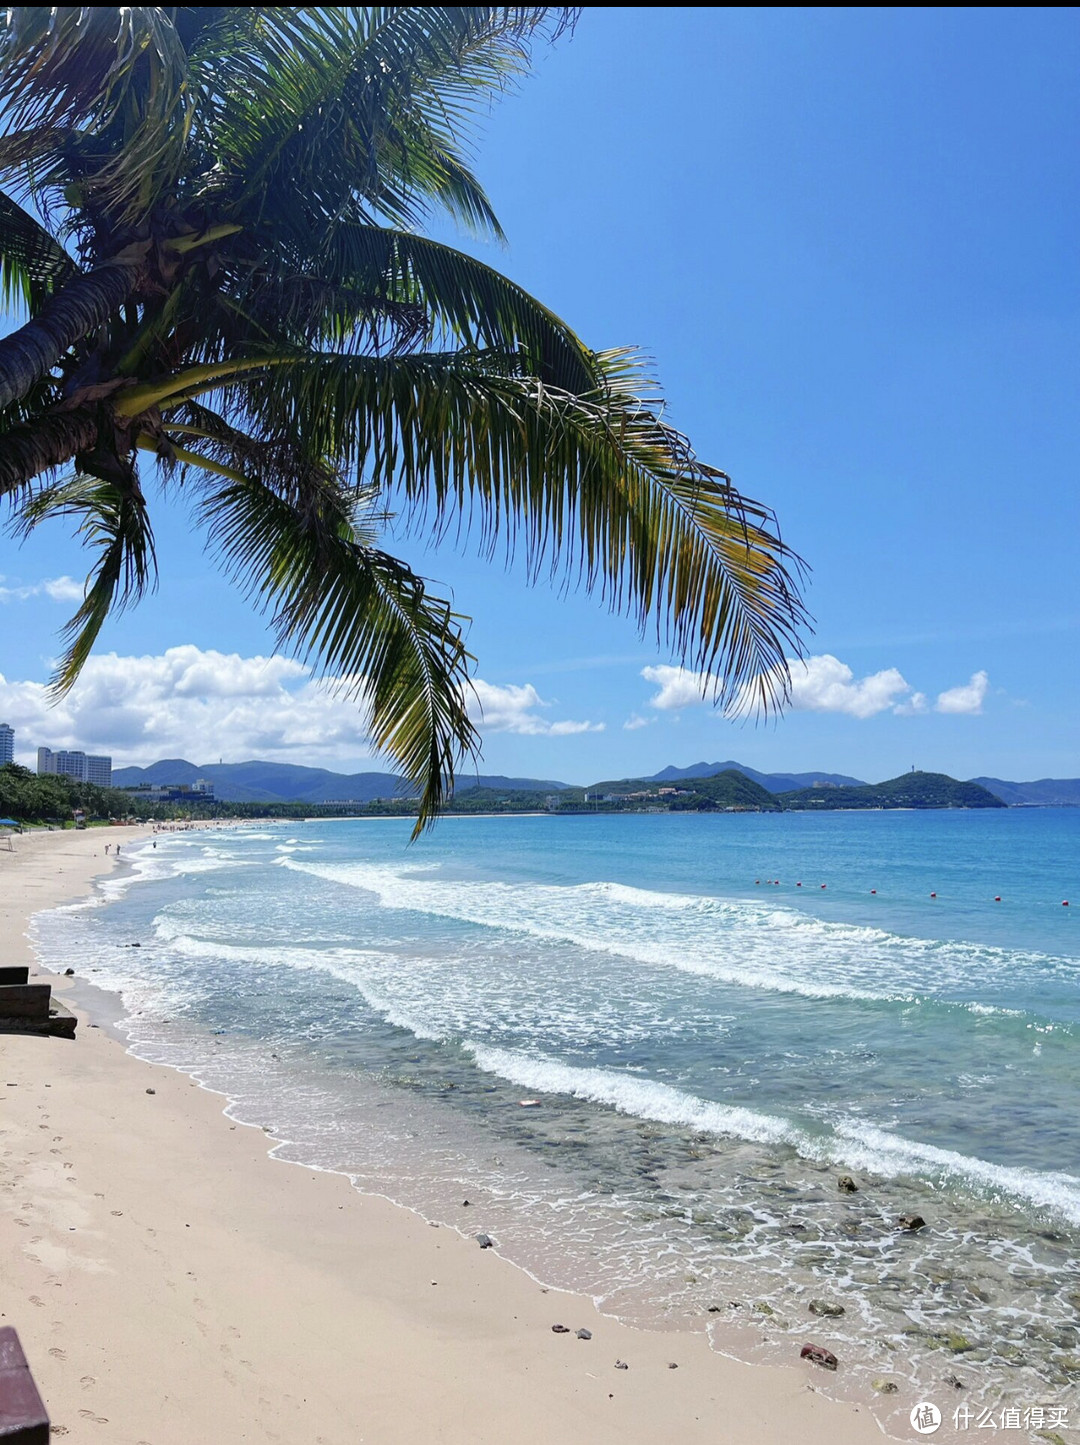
33, 264
113, 522
115, 77
364, 617
598, 488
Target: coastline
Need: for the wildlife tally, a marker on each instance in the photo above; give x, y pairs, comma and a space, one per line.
167, 1280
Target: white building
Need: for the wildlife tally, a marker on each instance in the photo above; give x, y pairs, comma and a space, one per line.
85, 769
7, 744
99, 770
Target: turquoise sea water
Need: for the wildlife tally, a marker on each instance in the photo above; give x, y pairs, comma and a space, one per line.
710, 1036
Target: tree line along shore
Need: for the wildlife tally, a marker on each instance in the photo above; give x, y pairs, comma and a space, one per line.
28, 798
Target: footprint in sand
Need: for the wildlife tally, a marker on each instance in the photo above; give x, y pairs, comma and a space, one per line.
24, 1222
57, 1353
58, 1429
97, 1419
117, 1212
87, 1380
35, 1301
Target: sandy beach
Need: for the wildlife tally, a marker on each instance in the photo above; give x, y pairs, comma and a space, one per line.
171, 1284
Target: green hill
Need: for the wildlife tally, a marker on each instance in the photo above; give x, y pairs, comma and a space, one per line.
910, 790
693, 795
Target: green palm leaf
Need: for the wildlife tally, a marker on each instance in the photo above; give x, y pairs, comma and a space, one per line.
33, 265
364, 616
597, 487
113, 521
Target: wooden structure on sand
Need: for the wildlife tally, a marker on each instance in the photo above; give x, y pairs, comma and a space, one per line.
29, 1008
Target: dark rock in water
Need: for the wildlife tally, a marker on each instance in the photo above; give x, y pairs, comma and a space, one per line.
714, 1309
847, 1185
672, 1365
825, 1308
559, 1330
485, 1241
819, 1355
621, 1365
464, 1204
955, 1381
151, 1091
911, 1221
886, 1387
69, 973
584, 1334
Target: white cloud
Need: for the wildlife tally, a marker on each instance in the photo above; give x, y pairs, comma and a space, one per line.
57, 589
679, 687
825, 684
915, 705
821, 684
513, 709
818, 684
202, 704
965, 699
635, 721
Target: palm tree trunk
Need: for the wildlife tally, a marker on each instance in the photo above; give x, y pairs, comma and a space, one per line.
79, 309
48, 441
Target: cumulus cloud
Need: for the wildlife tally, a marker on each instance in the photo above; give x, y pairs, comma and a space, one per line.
917, 703
56, 589
825, 684
822, 684
679, 687
968, 698
635, 721
202, 704
514, 709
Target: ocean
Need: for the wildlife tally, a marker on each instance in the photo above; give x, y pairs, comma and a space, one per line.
644, 1048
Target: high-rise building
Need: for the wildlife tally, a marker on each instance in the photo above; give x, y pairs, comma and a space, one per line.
7, 744
99, 770
92, 768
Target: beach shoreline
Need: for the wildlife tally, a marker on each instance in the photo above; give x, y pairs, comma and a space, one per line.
171, 1284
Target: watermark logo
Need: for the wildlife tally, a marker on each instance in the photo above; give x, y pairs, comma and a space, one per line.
925, 1418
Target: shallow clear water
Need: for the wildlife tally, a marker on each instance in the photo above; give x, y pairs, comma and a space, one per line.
709, 1049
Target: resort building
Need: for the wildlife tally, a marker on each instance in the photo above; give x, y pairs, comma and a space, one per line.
85, 768
99, 770
7, 744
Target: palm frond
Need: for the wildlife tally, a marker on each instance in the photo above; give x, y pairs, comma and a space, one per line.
316, 106
362, 615
115, 77
598, 487
471, 302
33, 264
113, 522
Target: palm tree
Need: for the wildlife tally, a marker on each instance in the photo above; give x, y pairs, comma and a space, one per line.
211, 217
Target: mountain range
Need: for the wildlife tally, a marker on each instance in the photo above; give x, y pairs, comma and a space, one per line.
265, 782
259, 782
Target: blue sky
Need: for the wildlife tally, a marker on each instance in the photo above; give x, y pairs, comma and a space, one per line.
848, 239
